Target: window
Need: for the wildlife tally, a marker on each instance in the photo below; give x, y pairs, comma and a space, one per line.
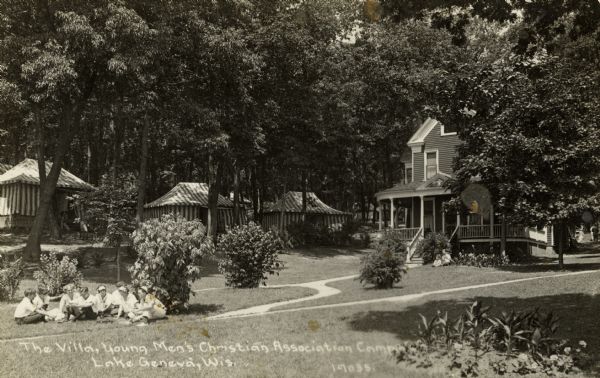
448, 130
408, 177
431, 167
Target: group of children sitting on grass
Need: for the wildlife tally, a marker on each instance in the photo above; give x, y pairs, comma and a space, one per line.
78, 304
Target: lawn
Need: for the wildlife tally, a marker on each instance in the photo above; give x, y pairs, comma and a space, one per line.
348, 340
347, 331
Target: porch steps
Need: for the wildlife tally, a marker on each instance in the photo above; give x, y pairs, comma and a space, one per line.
415, 262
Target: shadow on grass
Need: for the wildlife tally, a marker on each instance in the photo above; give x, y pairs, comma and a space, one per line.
203, 309
324, 252
578, 315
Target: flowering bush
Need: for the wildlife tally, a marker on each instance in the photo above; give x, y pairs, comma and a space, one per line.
55, 274
432, 246
392, 241
11, 273
170, 253
247, 254
481, 260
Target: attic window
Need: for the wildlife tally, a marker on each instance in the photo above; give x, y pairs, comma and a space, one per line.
431, 164
448, 130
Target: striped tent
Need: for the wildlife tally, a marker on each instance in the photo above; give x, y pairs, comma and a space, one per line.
20, 193
190, 199
317, 211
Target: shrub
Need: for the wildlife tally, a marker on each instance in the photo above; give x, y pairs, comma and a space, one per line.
385, 266
516, 342
248, 254
170, 251
391, 241
481, 260
55, 274
96, 258
431, 246
11, 273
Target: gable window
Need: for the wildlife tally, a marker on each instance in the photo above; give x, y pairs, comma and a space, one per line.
431, 164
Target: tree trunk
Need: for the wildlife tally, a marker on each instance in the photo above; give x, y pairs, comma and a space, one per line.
142, 174
282, 210
304, 183
213, 196
236, 193
503, 234
33, 249
561, 244
254, 189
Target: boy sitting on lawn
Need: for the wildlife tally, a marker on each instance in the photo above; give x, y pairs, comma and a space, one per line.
84, 307
149, 308
68, 300
127, 302
105, 303
26, 313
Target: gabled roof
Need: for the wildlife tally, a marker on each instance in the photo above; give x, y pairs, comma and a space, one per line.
419, 136
415, 188
27, 172
4, 167
186, 194
292, 203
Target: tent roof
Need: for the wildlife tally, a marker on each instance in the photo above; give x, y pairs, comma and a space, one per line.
4, 167
292, 203
188, 193
27, 172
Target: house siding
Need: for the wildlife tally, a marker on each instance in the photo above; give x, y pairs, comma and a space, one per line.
418, 166
446, 146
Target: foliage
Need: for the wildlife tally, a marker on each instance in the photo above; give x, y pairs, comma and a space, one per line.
170, 254
382, 267
110, 210
308, 233
247, 254
11, 273
54, 274
431, 247
481, 260
96, 258
513, 341
392, 241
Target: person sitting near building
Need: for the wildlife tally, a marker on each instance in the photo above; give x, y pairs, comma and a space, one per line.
26, 312
127, 302
149, 307
106, 303
84, 307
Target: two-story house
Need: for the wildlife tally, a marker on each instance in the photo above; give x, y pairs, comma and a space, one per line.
416, 205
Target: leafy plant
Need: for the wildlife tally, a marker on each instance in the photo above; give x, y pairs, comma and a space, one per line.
11, 273
96, 258
509, 328
382, 268
432, 246
427, 330
171, 251
248, 254
55, 274
481, 260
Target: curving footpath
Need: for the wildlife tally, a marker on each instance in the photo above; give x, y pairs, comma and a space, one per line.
320, 286
326, 291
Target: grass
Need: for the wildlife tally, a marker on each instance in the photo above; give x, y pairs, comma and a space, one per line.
386, 324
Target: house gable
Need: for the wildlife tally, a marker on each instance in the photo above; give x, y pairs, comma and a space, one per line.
430, 138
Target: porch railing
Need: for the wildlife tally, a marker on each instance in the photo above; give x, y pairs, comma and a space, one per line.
412, 246
495, 231
407, 234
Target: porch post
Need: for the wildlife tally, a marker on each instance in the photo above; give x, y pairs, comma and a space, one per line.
380, 211
423, 214
391, 213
